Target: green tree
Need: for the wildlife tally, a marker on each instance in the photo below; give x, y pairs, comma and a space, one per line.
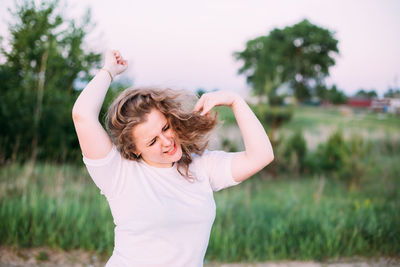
392, 92
200, 92
44, 61
366, 94
300, 54
333, 94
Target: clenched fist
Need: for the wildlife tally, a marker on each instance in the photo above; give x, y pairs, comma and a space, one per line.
114, 62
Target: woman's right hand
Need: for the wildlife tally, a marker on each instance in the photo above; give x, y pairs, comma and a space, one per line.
114, 62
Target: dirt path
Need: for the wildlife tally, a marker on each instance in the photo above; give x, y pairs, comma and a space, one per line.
45, 257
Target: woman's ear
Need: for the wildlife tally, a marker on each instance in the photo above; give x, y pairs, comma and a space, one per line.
135, 154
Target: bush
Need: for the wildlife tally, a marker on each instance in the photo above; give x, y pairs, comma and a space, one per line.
356, 167
295, 152
332, 155
228, 145
345, 160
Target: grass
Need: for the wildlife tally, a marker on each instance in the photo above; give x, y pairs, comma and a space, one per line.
290, 219
261, 219
55, 206
317, 124
312, 118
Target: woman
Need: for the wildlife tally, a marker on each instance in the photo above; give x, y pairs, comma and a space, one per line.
152, 169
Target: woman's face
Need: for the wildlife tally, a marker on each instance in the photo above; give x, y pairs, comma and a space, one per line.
156, 142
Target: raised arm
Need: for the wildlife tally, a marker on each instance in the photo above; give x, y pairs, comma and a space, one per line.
258, 150
93, 139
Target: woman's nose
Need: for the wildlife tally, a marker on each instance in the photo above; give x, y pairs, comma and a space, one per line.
166, 140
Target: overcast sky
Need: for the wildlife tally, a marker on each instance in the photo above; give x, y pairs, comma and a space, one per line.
189, 44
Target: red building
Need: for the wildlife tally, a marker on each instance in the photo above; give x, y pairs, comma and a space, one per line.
359, 102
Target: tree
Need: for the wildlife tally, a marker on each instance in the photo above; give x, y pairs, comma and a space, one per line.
333, 95
392, 93
44, 61
300, 54
42, 39
366, 94
200, 92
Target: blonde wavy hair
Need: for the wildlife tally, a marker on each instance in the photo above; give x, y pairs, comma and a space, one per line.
131, 107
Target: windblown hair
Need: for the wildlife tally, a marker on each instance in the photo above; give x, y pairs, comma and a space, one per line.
133, 105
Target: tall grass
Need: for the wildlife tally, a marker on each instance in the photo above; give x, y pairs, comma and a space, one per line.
55, 206
261, 219
286, 219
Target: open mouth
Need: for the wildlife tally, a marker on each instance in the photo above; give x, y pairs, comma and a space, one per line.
172, 150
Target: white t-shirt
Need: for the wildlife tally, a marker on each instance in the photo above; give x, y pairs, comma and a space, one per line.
161, 218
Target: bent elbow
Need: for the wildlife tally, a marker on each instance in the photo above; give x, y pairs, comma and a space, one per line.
82, 116
76, 116
269, 158
272, 158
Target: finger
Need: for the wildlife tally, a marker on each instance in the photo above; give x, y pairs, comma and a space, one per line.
199, 104
204, 112
206, 108
121, 60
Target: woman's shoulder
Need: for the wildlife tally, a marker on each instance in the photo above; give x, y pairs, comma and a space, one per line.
113, 159
196, 157
207, 156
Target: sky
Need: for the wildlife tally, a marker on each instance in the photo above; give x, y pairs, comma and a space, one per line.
188, 44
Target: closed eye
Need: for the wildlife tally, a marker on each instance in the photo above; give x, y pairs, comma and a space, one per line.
152, 142
166, 127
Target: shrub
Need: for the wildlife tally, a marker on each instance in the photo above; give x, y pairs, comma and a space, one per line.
228, 145
355, 166
344, 160
332, 155
295, 152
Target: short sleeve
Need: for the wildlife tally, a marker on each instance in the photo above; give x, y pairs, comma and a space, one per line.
105, 171
217, 165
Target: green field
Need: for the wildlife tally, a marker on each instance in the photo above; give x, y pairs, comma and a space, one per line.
318, 123
262, 219
289, 216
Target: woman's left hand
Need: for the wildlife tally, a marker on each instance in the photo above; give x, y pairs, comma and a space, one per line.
218, 98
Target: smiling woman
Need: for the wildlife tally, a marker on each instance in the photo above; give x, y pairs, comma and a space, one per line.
154, 169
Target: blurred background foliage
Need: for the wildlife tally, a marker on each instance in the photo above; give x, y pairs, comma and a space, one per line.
330, 192
300, 54
45, 62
